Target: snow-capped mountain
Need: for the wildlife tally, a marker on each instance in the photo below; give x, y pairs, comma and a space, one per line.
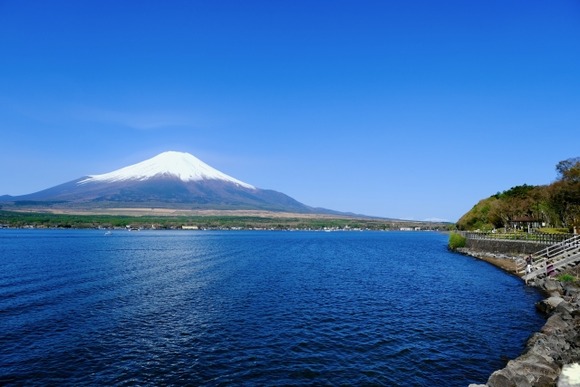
183, 166
168, 180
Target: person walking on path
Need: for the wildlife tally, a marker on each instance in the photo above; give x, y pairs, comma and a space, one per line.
529, 264
550, 269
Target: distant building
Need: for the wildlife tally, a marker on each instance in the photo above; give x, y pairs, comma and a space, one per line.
525, 223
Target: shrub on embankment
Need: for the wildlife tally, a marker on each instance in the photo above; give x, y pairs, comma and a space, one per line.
456, 241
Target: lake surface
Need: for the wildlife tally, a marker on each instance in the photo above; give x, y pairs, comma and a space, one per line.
253, 308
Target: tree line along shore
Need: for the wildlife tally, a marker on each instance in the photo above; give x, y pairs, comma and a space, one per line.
553, 207
9, 219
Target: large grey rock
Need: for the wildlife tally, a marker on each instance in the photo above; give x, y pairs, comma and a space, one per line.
571, 289
547, 351
549, 304
526, 371
551, 286
565, 310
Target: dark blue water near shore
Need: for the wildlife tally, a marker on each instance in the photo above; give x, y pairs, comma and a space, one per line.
253, 308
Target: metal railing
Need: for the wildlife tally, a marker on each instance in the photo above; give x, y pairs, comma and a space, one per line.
553, 257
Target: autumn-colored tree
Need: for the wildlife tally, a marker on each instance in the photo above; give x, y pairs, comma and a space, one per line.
565, 193
557, 204
569, 170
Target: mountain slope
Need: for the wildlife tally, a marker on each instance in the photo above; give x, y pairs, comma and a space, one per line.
168, 180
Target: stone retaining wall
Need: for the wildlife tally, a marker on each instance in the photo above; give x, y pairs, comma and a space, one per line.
504, 246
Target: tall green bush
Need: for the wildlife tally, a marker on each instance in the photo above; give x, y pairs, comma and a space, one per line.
456, 241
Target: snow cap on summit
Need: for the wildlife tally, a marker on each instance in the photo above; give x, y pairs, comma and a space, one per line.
182, 165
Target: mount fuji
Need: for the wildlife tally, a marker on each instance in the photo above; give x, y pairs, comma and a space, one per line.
172, 180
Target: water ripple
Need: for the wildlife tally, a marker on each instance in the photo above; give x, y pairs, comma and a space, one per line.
252, 308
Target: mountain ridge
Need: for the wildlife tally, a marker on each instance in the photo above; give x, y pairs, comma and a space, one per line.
169, 180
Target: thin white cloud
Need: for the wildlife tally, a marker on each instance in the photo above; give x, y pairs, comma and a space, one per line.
136, 120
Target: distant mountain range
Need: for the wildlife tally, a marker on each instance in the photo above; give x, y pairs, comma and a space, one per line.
169, 180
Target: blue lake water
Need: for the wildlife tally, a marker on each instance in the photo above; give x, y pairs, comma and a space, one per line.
253, 308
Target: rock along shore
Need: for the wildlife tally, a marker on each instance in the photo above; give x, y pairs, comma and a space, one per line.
550, 356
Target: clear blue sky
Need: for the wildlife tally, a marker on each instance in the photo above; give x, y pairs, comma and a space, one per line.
405, 109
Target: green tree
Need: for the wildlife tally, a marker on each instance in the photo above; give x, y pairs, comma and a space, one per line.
557, 204
565, 193
569, 170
